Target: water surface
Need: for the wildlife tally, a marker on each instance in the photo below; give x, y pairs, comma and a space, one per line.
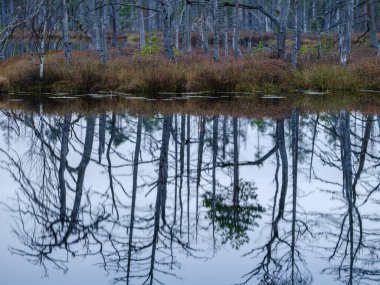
187, 196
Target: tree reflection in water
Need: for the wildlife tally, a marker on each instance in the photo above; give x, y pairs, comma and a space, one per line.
143, 193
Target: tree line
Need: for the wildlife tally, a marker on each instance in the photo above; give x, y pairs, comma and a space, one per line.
219, 23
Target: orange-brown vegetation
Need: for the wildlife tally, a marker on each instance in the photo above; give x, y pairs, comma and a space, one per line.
128, 71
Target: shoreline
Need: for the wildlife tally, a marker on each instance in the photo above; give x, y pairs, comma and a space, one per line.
242, 106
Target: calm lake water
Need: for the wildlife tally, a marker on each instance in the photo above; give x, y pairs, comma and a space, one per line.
177, 198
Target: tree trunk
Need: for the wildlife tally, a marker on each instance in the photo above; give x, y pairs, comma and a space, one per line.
371, 20
43, 41
65, 32
235, 36
141, 25
297, 32
281, 37
167, 13
115, 22
100, 11
345, 33
3, 13
216, 30
225, 33
205, 29
188, 29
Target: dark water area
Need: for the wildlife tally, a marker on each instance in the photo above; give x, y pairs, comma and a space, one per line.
144, 194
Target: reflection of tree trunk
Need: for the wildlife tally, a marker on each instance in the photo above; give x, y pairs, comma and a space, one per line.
214, 155
284, 163
87, 149
188, 175
199, 166
182, 167
363, 151
295, 136
102, 135
225, 139
236, 163
110, 177
347, 181
280, 138
161, 190
175, 135
313, 145
62, 166
134, 191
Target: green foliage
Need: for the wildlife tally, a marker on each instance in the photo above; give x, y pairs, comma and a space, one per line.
314, 26
177, 52
328, 42
308, 49
260, 47
152, 47
150, 124
234, 221
125, 11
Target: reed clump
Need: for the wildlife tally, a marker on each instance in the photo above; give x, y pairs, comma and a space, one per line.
150, 75
367, 73
326, 77
19, 72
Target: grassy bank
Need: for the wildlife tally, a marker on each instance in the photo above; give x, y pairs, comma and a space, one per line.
128, 72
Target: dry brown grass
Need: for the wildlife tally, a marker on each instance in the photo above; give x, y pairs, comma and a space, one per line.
133, 73
129, 72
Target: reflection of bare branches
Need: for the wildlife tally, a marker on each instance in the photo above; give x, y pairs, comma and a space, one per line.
282, 262
42, 225
354, 248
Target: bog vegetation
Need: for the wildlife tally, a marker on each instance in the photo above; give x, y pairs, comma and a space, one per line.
188, 46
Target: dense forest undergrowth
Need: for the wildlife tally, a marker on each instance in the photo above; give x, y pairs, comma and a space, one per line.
149, 71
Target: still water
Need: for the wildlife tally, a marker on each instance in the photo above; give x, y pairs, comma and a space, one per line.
175, 198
